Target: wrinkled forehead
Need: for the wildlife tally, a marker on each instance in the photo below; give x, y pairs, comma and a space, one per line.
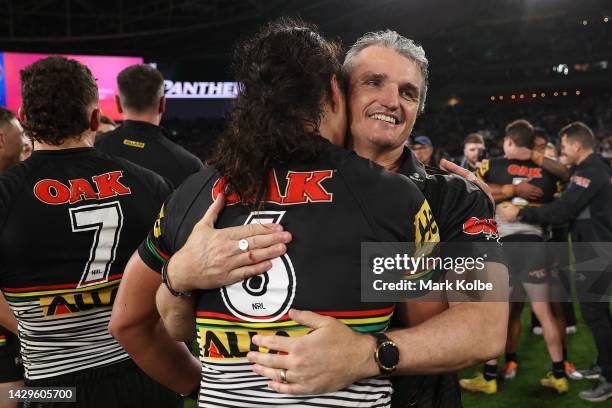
379, 60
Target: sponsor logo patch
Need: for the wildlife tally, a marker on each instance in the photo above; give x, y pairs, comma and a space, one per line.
476, 226
581, 181
133, 143
68, 303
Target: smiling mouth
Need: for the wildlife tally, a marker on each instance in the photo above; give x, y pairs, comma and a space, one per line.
385, 118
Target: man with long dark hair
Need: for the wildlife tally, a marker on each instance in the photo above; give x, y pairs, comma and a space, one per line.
276, 165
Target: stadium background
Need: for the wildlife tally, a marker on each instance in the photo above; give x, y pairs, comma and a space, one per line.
490, 62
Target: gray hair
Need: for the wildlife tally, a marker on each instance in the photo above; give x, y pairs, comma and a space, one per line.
400, 44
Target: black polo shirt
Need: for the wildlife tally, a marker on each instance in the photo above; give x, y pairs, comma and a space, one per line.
148, 146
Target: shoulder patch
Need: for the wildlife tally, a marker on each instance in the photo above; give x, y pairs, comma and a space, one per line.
581, 181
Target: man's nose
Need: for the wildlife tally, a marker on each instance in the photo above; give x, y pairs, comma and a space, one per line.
389, 97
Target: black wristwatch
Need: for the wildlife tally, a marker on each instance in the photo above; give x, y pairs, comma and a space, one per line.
386, 353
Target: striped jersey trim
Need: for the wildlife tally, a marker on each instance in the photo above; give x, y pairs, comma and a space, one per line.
228, 379
65, 330
158, 253
17, 294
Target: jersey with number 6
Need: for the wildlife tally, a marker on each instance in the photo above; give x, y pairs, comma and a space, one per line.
330, 206
69, 221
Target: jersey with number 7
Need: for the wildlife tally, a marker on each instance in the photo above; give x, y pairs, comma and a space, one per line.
69, 221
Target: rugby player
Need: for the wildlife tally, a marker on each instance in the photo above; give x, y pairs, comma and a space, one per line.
140, 139
585, 205
12, 145
387, 75
527, 263
70, 216
290, 95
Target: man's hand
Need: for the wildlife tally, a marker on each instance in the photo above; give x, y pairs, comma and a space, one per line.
329, 358
211, 257
466, 174
507, 212
528, 191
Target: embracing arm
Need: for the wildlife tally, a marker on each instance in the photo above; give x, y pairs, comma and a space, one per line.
443, 343
7, 318
177, 313
137, 326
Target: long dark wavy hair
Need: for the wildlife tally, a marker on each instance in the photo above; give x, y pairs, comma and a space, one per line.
284, 71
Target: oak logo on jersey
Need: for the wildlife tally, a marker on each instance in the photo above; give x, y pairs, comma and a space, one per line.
427, 234
67, 303
487, 227
581, 181
103, 186
518, 170
221, 344
302, 187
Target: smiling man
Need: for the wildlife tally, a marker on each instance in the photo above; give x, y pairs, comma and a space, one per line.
386, 80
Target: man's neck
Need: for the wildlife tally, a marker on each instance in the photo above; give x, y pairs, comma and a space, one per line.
389, 158
584, 156
152, 118
69, 143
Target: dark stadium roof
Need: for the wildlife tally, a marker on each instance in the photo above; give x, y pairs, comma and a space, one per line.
509, 43
209, 28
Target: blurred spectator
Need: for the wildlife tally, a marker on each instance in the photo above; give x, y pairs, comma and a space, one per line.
540, 139
140, 139
11, 143
423, 150
473, 149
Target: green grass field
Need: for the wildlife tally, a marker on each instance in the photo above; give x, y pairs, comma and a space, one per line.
525, 390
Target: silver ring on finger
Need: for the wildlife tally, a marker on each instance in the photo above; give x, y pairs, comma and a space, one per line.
283, 376
243, 245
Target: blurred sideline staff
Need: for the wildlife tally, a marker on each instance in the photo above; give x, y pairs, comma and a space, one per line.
140, 139
585, 204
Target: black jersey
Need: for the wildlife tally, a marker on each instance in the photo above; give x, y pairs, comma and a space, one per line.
464, 214
331, 206
504, 171
147, 145
585, 204
69, 221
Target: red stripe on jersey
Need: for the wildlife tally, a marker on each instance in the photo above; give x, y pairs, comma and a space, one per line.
51, 287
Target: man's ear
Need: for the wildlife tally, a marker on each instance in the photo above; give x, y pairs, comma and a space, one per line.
2, 140
337, 95
162, 105
118, 104
94, 120
21, 115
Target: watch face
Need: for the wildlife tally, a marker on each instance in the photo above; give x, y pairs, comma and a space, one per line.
388, 354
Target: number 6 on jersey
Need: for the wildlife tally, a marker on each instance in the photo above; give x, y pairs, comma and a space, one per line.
266, 297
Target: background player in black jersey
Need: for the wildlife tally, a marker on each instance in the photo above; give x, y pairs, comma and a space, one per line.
11, 369
140, 139
70, 216
585, 205
387, 84
527, 263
